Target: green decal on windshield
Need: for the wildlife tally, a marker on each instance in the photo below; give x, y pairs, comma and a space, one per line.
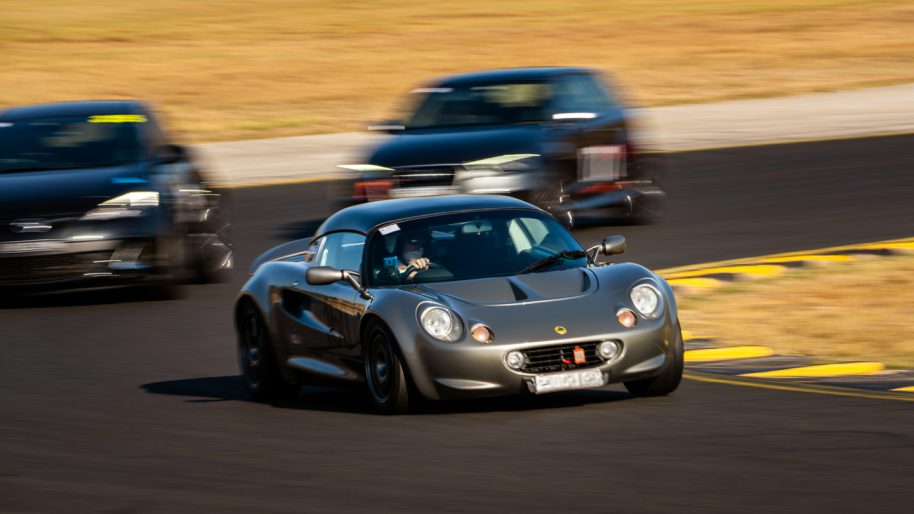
117, 118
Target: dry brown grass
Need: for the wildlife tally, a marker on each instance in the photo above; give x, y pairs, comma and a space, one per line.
848, 311
244, 68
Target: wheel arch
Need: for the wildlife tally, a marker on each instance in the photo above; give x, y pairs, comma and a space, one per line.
407, 358
243, 300
367, 321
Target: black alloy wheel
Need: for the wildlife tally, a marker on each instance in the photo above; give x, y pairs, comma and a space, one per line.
385, 373
211, 248
260, 373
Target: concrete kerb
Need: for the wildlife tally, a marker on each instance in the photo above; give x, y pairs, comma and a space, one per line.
709, 361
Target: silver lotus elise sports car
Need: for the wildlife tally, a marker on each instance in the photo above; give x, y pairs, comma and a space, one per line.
453, 297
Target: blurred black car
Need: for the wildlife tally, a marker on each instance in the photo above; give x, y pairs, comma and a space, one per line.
556, 137
95, 194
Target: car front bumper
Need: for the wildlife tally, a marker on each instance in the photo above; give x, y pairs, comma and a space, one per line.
52, 264
469, 369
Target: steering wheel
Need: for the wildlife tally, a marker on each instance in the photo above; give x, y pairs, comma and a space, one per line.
432, 266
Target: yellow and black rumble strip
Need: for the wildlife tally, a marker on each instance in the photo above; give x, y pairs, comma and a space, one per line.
759, 366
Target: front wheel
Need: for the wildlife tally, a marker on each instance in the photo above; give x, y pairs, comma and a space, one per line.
668, 379
260, 373
385, 372
546, 197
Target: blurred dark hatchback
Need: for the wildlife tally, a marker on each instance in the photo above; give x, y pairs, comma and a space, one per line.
95, 194
556, 137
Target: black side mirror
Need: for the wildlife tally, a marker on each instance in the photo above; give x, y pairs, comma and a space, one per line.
612, 245
323, 275
170, 154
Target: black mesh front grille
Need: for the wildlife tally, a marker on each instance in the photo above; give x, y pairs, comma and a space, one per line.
560, 358
48, 267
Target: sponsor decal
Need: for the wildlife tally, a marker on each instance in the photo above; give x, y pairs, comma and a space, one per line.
389, 229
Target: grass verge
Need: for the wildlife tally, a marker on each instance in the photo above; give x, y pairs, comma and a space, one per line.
240, 69
859, 310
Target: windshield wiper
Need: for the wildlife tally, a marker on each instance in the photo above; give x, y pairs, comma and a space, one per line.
545, 262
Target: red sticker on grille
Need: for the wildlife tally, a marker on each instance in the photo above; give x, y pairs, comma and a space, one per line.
579, 357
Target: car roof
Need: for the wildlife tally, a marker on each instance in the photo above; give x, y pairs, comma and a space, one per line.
363, 217
73, 109
510, 75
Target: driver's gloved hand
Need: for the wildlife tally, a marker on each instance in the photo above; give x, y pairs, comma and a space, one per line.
420, 263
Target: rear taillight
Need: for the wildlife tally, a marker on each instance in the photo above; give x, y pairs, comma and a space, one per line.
368, 190
600, 187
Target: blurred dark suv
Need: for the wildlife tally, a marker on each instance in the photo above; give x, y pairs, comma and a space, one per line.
557, 137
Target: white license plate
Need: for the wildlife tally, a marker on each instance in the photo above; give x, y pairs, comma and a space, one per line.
410, 192
569, 380
601, 163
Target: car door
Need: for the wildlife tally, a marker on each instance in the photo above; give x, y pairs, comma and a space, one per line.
320, 321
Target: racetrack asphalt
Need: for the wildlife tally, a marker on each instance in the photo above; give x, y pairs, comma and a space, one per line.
116, 403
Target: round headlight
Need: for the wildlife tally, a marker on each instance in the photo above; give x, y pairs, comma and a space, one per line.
440, 324
647, 300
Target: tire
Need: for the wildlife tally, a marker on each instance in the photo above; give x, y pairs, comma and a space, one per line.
545, 198
385, 373
668, 379
208, 242
549, 199
646, 212
260, 372
212, 266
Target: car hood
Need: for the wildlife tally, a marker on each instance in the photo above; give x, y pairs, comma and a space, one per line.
454, 146
40, 193
519, 289
564, 305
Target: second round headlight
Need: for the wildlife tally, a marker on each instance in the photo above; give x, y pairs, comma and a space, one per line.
647, 300
441, 324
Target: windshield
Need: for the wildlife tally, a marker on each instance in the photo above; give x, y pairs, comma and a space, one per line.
470, 245
482, 104
69, 142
